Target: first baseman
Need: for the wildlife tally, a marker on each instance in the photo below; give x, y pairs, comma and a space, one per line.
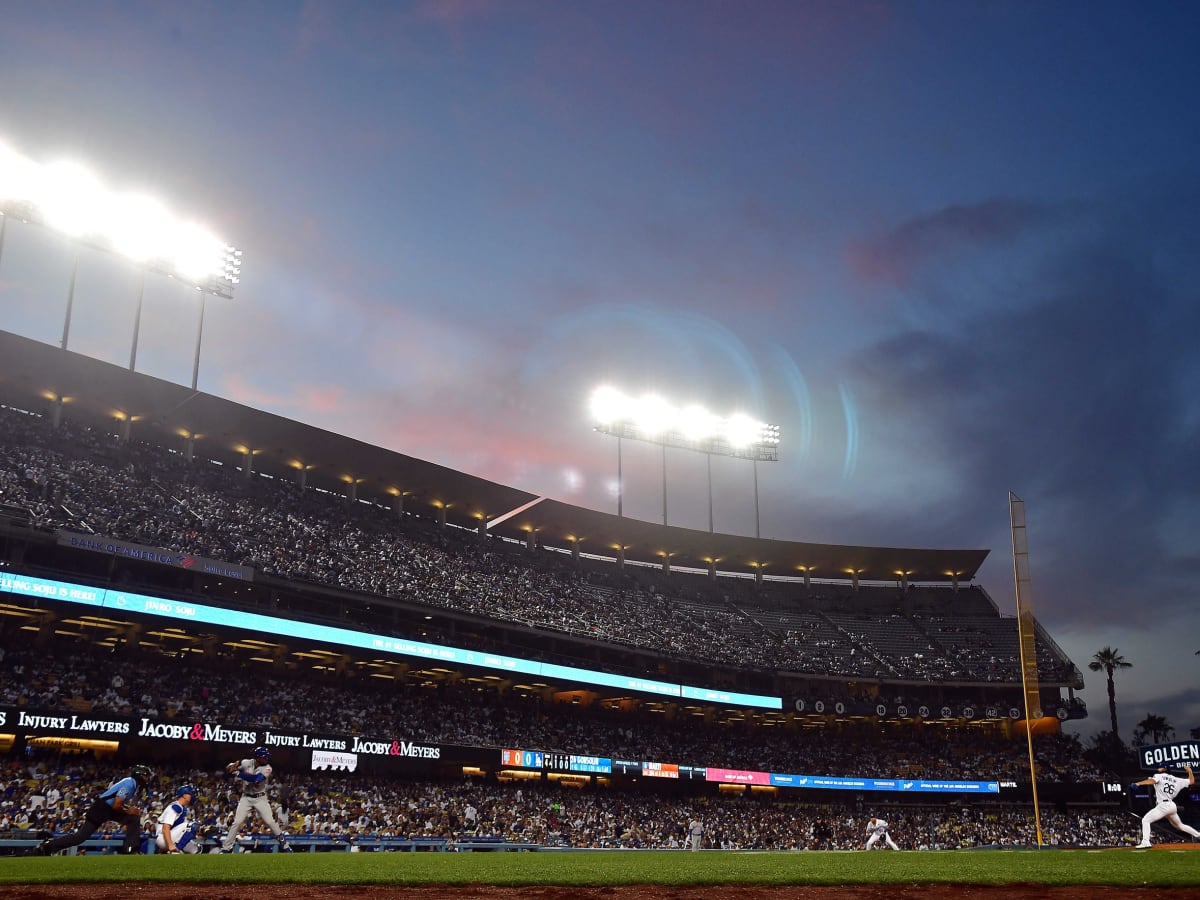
252, 775
877, 828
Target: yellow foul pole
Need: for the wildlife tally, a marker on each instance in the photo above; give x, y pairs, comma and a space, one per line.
1027, 632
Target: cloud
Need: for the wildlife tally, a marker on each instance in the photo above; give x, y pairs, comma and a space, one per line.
1068, 396
1069, 380
897, 255
306, 398
1186, 703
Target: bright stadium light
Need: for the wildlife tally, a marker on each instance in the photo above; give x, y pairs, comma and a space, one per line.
65, 197
69, 198
16, 174
607, 405
141, 228
652, 415
196, 253
741, 430
652, 419
696, 423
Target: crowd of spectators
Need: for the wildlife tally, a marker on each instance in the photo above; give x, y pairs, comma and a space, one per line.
82, 480
68, 675
79, 479
42, 797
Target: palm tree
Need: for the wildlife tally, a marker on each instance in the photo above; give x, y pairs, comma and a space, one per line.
1157, 728
1108, 660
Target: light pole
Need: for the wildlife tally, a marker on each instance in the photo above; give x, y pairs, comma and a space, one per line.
70, 299
708, 461
664, 459
757, 533
137, 320
199, 334
620, 481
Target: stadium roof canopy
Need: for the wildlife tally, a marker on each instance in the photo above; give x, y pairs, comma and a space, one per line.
561, 525
36, 377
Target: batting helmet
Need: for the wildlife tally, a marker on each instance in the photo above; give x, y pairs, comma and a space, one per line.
186, 789
262, 753
142, 773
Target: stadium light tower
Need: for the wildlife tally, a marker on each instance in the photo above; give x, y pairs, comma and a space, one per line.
652, 419
66, 198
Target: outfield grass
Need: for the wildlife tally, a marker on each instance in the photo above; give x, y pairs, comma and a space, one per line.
1126, 868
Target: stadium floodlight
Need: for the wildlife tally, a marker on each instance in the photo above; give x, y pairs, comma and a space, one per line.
652, 419
140, 228
66, 197
607, 404
696, 423
652, 415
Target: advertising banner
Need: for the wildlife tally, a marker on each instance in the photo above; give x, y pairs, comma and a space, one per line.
324, 760
1173, 756
84, 725
737, 776
111, 546
27, 722
914, 786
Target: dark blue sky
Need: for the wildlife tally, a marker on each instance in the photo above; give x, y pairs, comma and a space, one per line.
949, 248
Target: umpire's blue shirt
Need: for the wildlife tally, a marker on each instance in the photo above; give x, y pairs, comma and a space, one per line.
125, 789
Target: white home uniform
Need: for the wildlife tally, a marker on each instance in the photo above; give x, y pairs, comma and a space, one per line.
878, 828
183, 831
1166, 789
253, 777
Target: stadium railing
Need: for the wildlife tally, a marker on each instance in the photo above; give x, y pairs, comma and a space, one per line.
13, 845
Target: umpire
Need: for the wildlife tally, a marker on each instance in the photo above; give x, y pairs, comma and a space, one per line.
115, 804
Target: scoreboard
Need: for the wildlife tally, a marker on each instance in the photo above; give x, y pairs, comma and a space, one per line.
593, 764
558, 761
649, 769
524, 759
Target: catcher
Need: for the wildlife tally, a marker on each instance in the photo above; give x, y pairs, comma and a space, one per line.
177, 832
115, 804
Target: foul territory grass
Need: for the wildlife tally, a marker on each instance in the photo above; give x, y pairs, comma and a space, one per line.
1159, 868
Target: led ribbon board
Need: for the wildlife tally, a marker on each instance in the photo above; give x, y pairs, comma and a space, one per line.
141, 604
